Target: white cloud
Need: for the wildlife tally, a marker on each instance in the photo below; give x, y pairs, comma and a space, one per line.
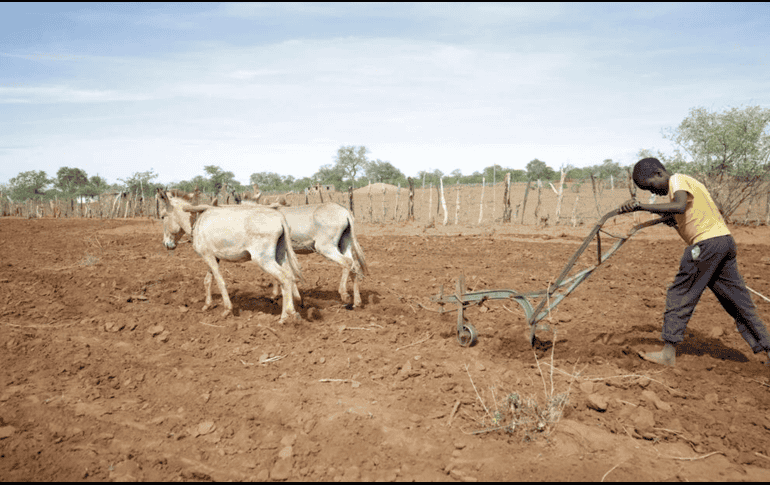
437, 86
246, 75
65, 94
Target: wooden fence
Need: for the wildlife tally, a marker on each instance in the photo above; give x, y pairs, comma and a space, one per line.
519, 203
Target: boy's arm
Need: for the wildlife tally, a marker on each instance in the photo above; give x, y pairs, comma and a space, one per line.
676, 207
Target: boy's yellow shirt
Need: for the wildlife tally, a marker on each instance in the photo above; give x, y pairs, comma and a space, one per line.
701, 219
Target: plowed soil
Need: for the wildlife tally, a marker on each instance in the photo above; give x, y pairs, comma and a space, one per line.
111, 371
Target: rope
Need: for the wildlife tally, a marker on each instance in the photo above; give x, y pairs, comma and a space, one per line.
759, 294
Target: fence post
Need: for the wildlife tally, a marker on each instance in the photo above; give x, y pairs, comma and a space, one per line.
507, 199
457, 206
481, 204
115, 206
438, 199
410, 206
371, 211
423, 190
574, 211
383, 203
596, 198
537, 207
430, 203
560, 196
350, 197
524, 203
398, 196
443, 201
767, 209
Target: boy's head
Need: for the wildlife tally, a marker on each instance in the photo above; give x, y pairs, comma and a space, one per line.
650, 174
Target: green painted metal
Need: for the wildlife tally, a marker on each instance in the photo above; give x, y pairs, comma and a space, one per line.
550, 297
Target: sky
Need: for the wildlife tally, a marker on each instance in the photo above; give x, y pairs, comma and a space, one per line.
116, 89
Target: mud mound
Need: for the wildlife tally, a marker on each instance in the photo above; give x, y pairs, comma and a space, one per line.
377, 188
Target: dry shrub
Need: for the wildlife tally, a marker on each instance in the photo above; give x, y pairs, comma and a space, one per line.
527, 416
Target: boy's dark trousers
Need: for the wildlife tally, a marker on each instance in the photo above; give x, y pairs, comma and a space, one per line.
712, 263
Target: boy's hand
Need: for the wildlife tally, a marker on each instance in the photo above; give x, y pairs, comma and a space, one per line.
630, 205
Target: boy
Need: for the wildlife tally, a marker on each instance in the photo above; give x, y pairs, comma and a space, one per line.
708, 261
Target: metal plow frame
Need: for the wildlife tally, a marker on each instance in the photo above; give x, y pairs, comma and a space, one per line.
549, 298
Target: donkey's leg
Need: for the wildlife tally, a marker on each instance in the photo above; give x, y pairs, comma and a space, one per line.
356, 294
207, 286
214, 269
264, 256
330, 252
346, 242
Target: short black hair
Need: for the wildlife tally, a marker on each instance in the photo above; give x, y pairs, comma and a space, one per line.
644, 169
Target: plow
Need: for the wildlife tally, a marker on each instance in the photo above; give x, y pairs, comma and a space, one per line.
537, 304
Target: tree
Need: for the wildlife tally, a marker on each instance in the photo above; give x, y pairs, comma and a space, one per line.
729, 152
607, 168
300, 185
517, 175
70, 181
199, 181
28, 185
429, 177
219, 178
352, 161
330, 175
139, 183
380, 171
96, 186
269, 181
493, 172
537, 169
455, 175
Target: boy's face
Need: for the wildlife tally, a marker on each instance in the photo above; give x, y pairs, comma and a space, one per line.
658, 183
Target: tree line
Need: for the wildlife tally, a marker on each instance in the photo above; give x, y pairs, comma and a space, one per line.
351, 168
728, 151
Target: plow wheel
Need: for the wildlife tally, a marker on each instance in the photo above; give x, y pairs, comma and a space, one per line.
467, 336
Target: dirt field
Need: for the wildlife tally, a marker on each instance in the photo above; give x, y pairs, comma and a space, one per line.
110, 371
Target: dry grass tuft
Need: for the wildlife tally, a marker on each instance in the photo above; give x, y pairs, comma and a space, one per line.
529, 416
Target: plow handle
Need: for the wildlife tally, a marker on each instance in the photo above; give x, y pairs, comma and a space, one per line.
586, 242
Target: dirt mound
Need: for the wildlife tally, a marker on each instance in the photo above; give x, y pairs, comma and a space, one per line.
377, 188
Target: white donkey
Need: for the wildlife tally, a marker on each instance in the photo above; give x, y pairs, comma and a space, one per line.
238, 234
327, 229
